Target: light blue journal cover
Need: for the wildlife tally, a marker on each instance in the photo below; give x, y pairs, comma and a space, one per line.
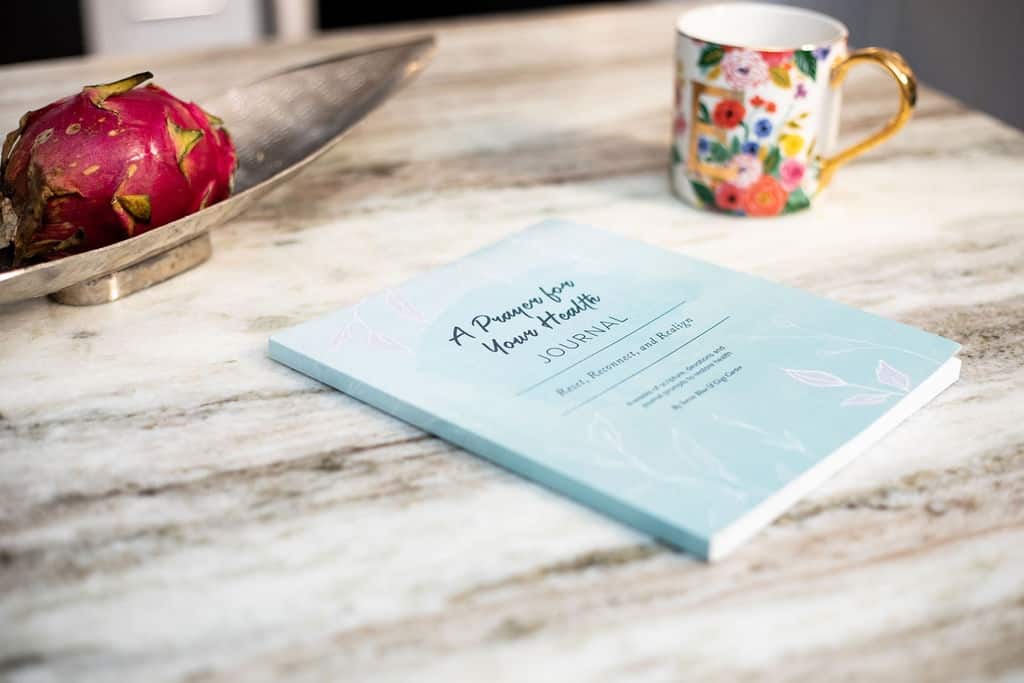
692, 402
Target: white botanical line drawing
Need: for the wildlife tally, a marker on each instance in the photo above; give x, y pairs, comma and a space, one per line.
854, 345
695, 466
402, 307
705, 467
356, 328
787, 441
885, 375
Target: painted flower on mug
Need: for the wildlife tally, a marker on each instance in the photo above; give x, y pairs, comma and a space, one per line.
728, 197
744, 69
791, 174
746, 169
766, 197
728, 114
680, 125
776, 58
752, 130
791, 144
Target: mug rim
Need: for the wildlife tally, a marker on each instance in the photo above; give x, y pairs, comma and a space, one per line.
843, 33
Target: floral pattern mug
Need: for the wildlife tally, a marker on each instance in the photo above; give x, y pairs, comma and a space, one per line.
757, 106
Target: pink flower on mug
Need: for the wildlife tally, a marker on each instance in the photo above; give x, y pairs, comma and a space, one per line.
680, 125
791, 173
728, 197
744, 69
747, 168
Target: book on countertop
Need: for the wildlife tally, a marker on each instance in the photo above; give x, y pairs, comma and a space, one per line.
692, 402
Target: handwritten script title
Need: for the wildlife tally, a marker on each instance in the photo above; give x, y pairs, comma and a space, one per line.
542, 312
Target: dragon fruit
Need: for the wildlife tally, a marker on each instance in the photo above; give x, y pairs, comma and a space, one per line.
105, 164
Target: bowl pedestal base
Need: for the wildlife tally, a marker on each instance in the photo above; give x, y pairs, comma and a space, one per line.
138, 276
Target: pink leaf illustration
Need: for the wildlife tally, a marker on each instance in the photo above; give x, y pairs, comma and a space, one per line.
865, 400
816, 378
403, 307
892, 377
344, 334
385, 342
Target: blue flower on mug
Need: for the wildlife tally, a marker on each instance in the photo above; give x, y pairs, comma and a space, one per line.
750, 147
821, 53
763, 128
703, 145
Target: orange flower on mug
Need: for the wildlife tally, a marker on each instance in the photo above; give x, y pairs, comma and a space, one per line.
728, 114
764, 198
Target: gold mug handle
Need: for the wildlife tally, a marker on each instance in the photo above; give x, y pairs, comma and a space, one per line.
893, 63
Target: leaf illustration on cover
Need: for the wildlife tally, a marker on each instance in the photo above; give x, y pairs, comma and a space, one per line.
865, 400
349, 330
382, 341
815, 378
698, 463
787, 442
890, 376
603, 433
403, 307
344, 334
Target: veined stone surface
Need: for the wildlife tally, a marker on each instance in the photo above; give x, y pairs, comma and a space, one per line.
174, 506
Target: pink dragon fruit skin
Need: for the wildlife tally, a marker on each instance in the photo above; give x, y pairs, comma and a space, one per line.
108, 163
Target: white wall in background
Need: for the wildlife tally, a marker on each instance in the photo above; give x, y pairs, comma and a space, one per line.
137, 26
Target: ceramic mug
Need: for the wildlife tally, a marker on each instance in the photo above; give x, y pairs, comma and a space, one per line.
757, 106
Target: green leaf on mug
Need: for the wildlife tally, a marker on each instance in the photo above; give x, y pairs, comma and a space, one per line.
719, 153
797, 200
711, 55
703, 192
676, 157
734, 148
780, 76
806, 62
771, 161
703, 114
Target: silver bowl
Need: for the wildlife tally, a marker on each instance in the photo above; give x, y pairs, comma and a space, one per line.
279, 124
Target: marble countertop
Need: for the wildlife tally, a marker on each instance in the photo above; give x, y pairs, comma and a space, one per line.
174, 506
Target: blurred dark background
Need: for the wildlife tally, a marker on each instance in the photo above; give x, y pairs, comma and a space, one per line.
973, 50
